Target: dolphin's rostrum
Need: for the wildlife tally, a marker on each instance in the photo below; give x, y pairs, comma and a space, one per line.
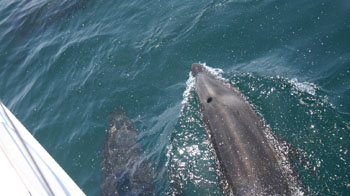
248, 161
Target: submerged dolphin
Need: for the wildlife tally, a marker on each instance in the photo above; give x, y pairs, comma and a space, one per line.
245, 156
125, 172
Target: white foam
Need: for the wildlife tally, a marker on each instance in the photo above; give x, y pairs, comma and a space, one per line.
304, 86
168, 153
189, 86
217, 72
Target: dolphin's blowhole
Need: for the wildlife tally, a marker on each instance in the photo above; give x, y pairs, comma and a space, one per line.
209, 99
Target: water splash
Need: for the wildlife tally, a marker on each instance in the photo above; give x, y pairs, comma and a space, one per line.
304, 86
187, 93
216, 72
191, 162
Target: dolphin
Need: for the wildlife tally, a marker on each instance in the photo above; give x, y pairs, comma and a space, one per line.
124, 170
247, 160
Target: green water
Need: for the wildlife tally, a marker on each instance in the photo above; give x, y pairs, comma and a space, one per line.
66, 65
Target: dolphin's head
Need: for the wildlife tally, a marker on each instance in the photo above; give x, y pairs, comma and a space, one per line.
210, 90
197, 68
206, 85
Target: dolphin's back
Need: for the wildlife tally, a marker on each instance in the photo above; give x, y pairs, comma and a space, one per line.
125, 172
247, 159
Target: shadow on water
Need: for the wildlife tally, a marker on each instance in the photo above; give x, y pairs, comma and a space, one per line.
31, 17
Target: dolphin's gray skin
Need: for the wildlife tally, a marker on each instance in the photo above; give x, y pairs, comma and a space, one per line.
125, 172
247, 160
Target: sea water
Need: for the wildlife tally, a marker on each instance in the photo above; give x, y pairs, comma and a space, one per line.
66, 65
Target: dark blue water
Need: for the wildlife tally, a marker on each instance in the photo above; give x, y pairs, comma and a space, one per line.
66, 65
